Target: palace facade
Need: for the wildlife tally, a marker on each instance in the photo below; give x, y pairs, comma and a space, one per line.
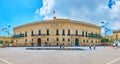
56, 32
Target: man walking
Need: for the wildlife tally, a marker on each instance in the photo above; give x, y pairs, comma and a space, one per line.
90, 46
94, 46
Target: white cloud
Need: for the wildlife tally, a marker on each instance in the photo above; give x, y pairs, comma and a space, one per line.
93, 11
115, 25
46, 8
115, 16
115, 11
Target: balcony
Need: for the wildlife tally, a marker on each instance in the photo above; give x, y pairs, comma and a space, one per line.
74, 35
18, 36
39, 35
94, 35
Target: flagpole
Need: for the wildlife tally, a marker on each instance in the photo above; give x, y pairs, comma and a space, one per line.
54, 15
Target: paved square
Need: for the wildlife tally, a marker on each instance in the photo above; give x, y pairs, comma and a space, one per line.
102, 55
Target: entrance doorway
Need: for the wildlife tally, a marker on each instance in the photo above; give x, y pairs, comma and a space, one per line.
76, 42
39, 42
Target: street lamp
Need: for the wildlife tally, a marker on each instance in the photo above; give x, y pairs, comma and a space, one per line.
7, 31
105, 28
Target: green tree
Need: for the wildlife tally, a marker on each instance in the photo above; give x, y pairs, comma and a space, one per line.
104, 40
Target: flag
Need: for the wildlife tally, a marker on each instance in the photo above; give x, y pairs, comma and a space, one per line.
111, 3
53, 12
2, 29
9, 26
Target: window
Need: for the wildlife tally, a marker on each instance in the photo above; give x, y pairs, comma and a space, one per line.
87, 41
63, 39
47, 32
91, 41
68, 32
16, 40
96, 41
68, 40
57, 39
63, 32
32, 40
92, 33
82, 33
25, 40
25, 34
116, 36
32, 33
39, 32
96, 34
57, 32
47, 39
86, 34
76, 32
21, 34
83, 40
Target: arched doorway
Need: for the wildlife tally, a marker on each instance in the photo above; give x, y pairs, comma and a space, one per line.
39, 42
76, 42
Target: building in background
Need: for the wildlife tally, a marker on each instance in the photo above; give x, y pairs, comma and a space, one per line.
116, 37
5, 41
108, 39
56, 32
116, 34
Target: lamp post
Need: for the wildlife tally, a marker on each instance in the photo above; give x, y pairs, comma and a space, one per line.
105, 29
7, 31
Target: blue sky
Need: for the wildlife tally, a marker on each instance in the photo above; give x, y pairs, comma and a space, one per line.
18, 12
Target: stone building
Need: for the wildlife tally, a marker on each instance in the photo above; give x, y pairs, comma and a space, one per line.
116, 34
116, 37
6, 40
56, 32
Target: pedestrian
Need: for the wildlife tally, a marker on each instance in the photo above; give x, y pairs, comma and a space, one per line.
63, 45
116, 44
94, 46
60, 46
90, 46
